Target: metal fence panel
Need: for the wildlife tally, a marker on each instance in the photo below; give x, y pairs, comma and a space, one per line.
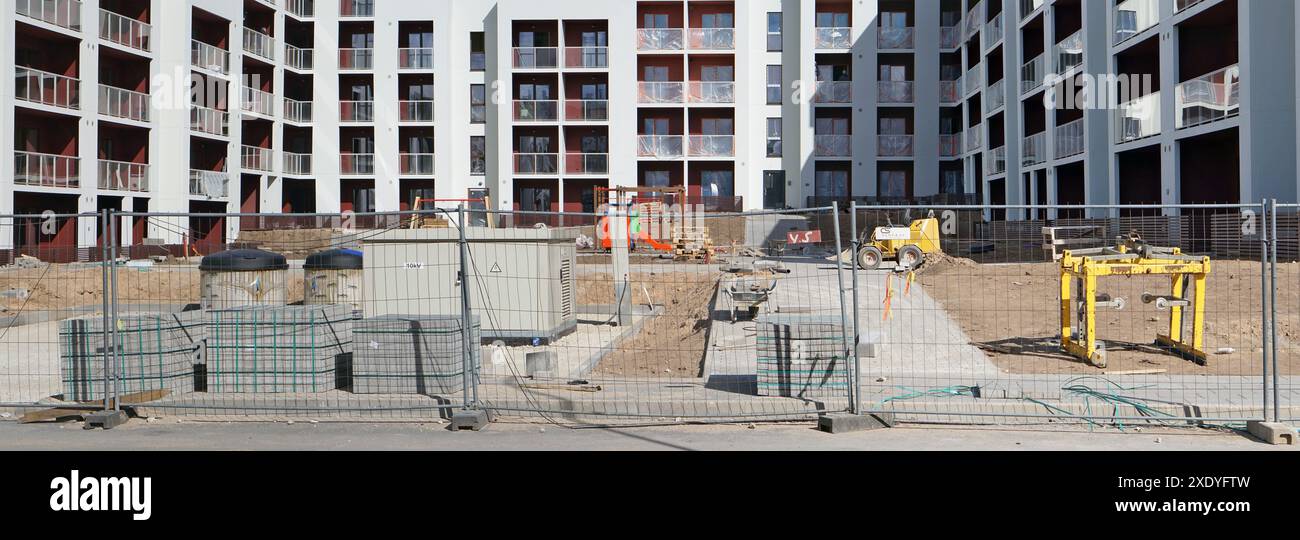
1285, 229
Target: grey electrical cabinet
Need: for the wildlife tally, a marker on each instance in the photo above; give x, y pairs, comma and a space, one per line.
521, 280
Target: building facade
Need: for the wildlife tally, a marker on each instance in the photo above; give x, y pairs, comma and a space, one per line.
303, 106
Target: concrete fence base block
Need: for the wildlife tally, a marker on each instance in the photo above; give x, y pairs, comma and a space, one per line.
1272, 433
473, 420
105, 419
849, 423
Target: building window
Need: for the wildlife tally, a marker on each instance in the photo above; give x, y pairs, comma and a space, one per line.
773, 137
774, 32
478, 155
774, 190
773, 85
477, 104
477, 52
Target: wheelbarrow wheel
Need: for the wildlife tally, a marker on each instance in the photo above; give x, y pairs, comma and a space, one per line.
869, 258
753, 313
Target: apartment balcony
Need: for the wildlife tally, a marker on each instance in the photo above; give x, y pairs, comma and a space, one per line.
209, 184
1132, 17
974, 138
123, 176
415, 110
46, 170
712, 39
834, 92
950, 92
994, 31
833, 146
950, 145
297, 111
834, 38
122, 103
64, 13
1183, 5
299, 59
895, 92
297, 164
123, 30
586, 164
257, 102
711, 146
302, 9
973, 81
1138, 119
254, 158
537, 164
661, 92
536, 58
1069, 53
1033, 74
209, 121
356, 8
997, 161
536, 111
895, 145
586, 110
259, 44
353, 164
660, 146
995, 97
1209, 98
586, 57
415, 164
209, 57
45, 88
975, 19
1030, 6
1069, 139
660, 39
1033, 150
357, 111
712, 92
895, 38
356, 59
415, 58
949, 37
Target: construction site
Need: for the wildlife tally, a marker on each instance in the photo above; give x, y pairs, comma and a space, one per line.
650, 311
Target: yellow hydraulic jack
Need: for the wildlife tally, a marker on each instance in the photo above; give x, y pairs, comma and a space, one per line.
1132, 257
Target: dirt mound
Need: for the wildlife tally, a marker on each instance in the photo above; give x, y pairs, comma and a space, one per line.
938, 263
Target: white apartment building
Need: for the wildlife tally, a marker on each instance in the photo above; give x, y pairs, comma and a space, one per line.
325, 106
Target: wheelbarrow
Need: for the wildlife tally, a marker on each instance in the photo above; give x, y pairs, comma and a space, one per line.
749, 296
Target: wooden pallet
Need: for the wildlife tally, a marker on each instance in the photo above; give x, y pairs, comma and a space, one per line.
692, 243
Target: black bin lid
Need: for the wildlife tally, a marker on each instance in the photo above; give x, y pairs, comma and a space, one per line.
334, 259
244, 260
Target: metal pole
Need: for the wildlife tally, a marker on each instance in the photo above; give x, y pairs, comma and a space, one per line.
117, 352
844, 316
856, 242
1272, 219
466, 325
1263, 280
108, 320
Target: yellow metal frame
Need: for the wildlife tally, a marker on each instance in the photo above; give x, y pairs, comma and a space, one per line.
1089, 268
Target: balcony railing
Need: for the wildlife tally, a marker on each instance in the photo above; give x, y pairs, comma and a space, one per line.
357, 111
415, 58
259, 44
209, 57
536, 57
950, 145
975, 19
950, 91
660, 39
210, 184
661, 92
258, 102
711, 145
415, 164
833, 146
895, 145
895, 38
997, 161
354, 164
578, 163
586, 57
895, 92
533, 163
296, 58
255, 158
834, 38
834, 92
713, 39
536, 110
586, 110
1138, 119
302, 9
297, 164
996, 96
297, 111
356, 59
1033, 149
1182, 5
974, 138
416, 110
36, 86
124, 30
357, 8
712, 92
1209, 98
210, 121
1029, 6
123, 176
973, 80
660, 146
65, 13
1132, 17
949, 37
122, 103
993, 31
1069, 139
46, 170
1069, 53
1033, 73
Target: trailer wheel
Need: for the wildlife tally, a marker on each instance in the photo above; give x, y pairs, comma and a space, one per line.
910, 257
869, 258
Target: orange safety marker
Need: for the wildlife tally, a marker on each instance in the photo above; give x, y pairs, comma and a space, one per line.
889, 295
